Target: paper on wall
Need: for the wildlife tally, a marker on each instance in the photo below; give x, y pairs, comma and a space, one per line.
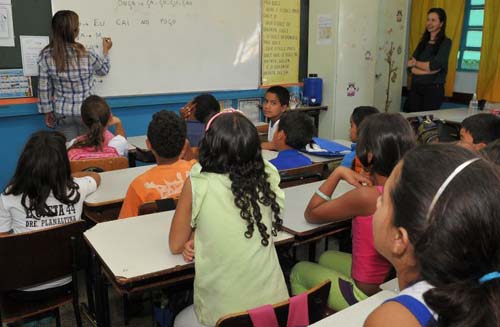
6, 24
325, 30
30, 49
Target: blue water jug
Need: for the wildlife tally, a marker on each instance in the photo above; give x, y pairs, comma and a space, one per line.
313, 89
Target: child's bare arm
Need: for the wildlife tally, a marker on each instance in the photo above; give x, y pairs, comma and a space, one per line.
180, 230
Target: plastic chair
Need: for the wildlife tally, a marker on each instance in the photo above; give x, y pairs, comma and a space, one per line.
302, 175
99, 165
317, 300
36, 257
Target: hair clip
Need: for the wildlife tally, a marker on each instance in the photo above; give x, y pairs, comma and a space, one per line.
222, 112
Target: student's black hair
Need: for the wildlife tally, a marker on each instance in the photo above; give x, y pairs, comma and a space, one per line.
206, 106
43, 168
232, 146
167, 134
441, 35
95, 113
492, 152
483, 127
361, 112
457, 243
385, 137
298, 127
282, 94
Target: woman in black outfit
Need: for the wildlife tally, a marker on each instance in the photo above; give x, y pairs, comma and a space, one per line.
429, 65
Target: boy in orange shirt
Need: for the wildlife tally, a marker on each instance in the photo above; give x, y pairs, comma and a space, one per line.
166, 139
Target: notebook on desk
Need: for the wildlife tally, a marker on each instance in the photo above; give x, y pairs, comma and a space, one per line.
326, 148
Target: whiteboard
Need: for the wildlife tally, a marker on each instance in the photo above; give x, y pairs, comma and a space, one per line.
172, 46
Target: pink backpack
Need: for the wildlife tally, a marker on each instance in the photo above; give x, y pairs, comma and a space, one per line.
89, 152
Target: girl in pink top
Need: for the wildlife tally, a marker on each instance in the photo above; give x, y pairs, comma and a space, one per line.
383, 140
98, 142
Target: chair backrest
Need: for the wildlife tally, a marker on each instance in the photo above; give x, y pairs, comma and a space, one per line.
317, 302
101, 164
36, 257
302, 175
157, 206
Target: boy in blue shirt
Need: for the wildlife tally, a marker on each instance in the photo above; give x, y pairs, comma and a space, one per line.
295, 130
357, 116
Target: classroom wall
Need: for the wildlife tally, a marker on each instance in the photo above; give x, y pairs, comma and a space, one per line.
392, 30
347, 64
18, 122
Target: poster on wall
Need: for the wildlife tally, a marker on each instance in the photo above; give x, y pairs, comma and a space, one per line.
13, 84
325, 30
6, 24
280, 41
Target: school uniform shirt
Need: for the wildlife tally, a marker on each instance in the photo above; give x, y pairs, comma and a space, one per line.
291, 158
63, 92
160, 182
117, 142
233, 273
14, 217
412, 298
272, 128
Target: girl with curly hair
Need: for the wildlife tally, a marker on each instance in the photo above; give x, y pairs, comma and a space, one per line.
233, 203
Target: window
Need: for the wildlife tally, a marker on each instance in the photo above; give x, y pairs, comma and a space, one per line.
469, 53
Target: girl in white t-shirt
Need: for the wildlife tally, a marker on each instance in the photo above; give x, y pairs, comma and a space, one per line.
43, 193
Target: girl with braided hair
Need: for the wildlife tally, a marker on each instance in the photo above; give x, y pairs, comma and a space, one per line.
233, 203
98, 142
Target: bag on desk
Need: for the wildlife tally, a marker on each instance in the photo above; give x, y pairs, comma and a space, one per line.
326, 148
144, 155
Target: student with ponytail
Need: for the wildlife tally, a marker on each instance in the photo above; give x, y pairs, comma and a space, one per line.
439, 226
98, 142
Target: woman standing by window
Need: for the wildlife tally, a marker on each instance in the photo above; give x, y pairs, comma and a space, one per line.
67, 73
429, 65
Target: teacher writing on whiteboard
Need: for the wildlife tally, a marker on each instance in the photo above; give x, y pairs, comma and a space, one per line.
66, 74
429, 65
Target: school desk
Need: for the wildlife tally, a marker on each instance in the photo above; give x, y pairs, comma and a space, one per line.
391, 285
105, 203
296, 200
355, 315
453, 116
135, 257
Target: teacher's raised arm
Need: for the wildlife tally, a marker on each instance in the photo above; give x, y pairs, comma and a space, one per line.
429, 65
67, 74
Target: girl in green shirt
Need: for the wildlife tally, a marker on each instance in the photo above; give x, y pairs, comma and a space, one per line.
232, 202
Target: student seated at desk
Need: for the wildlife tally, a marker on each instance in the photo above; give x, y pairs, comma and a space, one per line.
43, 193
167, 140
492, 152
98, 142
383, 140
295, 130
276, 102
440, 227
358, 115
479, 130
231, 206
197, 113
